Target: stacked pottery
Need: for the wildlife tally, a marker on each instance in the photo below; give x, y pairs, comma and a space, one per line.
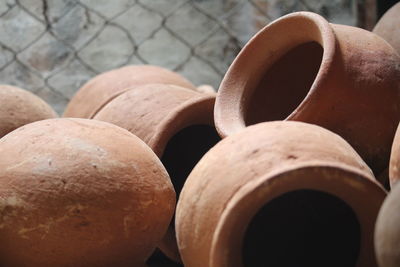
177, 123
279, 194
307, 113
342, 78
19, 107
388, 27
257, 197
77, 192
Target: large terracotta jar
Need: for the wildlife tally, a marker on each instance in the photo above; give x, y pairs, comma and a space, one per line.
19, 107
387, 232
104, 87
77, 192
175, 122
388, 27
302, 68
279, 194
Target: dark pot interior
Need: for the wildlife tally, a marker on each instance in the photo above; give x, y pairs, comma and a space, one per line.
303, 228
284, 85
185, 149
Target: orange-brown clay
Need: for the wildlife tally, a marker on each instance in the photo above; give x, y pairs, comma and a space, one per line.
279, 194
77, 192
104, 87
388, 27
19, 107
302, 68
387, 232
175, 122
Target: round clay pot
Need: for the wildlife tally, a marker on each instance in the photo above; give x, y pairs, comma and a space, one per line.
388, 27
387, 231
302, 68
175, 122
19, 107
394, 167
279, 194
104, 87
77, 192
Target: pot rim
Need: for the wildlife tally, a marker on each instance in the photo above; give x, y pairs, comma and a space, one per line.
252, 196
198, 110
252, 62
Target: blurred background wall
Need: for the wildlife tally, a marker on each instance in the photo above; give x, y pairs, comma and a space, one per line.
51, 47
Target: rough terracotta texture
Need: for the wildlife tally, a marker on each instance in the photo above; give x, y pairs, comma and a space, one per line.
76, 192
98, 91
394, 167
250, 168
19, 107
342, 78
157, 113
387, 232
388, 27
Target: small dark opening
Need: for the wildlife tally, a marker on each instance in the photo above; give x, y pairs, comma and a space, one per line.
185, 149
285, 84
303, 228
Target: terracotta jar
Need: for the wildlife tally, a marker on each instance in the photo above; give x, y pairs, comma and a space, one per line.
387, 232
302, 68
279, 194
104, 87
175, 122
394, 167
19, 107
77, 192
388, 27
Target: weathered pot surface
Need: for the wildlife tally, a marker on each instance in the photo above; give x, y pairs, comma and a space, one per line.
342, 78
388, 27
19, 107
175, 122
104, 87
387, 232
77, 192
279, 194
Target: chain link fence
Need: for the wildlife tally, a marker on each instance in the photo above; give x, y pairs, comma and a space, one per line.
52, 47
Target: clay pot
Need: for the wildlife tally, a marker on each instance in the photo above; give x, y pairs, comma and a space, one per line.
19, 107
279, 194
104, 87
76, 192
387, 232
302, 68
388, 27
394, 167
175, 122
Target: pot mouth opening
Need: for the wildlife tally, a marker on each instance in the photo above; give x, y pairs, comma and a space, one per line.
284, 85
302, 228
184, 150
304, 42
